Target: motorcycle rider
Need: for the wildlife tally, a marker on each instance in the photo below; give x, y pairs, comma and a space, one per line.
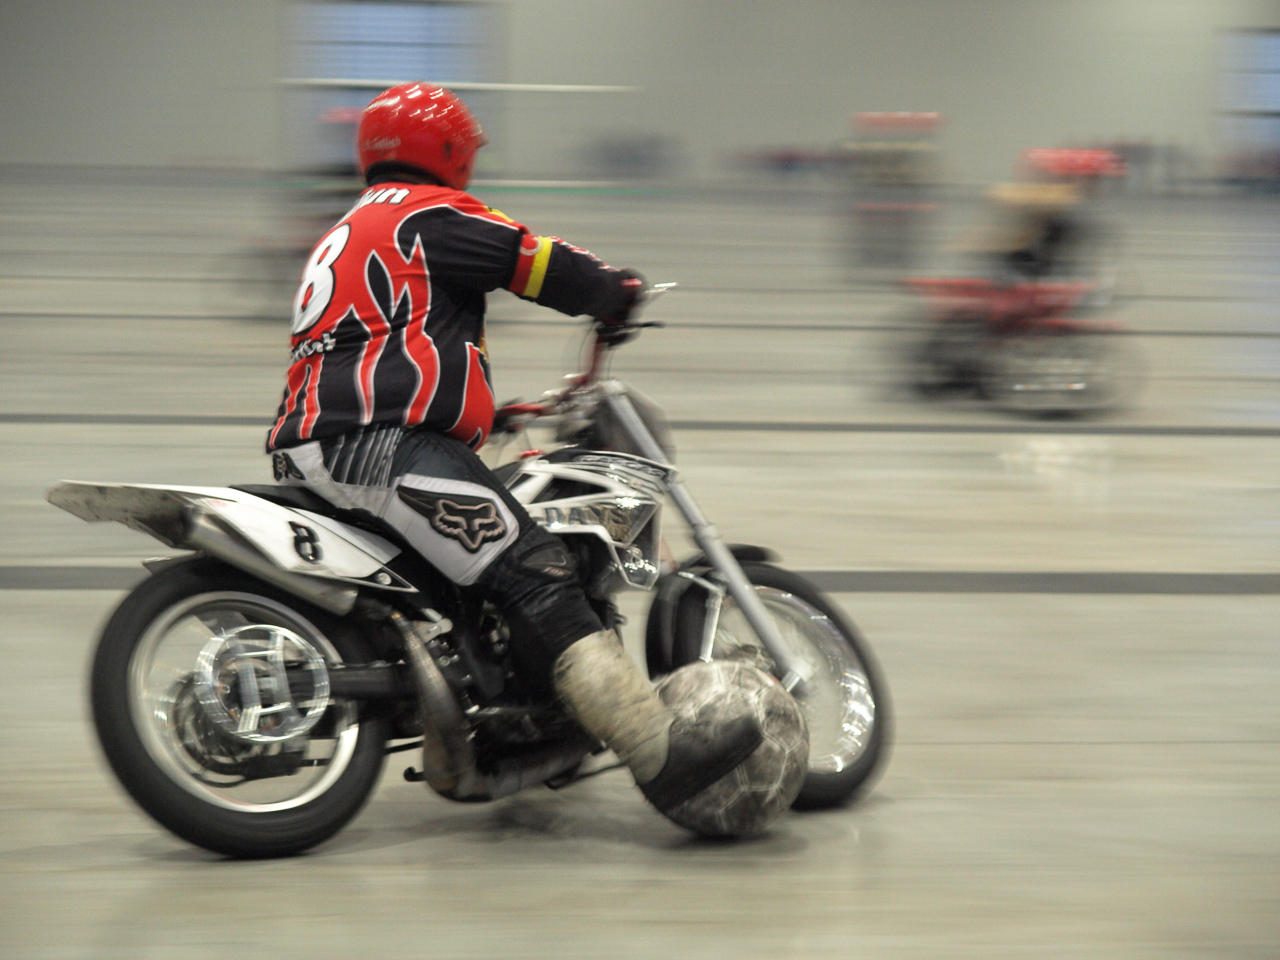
1043, 231
388, 396
1049, 230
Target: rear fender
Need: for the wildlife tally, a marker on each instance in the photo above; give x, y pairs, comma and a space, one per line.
296, 549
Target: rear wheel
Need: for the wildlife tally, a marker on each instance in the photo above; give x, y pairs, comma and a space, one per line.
847, 706
1059, 373
210, 699
949, 356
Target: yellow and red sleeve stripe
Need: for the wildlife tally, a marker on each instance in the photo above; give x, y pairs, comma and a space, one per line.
531, 267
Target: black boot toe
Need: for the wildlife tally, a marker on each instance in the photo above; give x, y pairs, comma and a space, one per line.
698, 755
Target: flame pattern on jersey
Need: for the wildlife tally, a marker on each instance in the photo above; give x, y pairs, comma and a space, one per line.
388, 321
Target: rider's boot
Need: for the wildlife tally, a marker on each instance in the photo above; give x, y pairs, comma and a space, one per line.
672, 759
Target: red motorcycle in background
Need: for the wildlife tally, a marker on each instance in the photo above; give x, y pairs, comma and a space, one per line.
1026, 333
1029, 347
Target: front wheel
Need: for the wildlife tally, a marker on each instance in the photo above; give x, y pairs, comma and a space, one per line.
847, 706
210, 699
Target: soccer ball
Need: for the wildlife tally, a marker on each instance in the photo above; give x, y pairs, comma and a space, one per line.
760, 789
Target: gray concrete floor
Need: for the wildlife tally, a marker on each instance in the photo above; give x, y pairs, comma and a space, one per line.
1074, 774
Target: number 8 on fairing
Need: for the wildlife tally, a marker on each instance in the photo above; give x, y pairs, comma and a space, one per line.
316, 289
306, 542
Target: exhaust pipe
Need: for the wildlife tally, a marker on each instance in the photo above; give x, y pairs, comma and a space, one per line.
449, 763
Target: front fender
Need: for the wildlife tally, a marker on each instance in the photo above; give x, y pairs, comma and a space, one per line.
659, 634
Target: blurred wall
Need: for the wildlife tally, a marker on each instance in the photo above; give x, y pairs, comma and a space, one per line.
724, 75
178, 81
150, 82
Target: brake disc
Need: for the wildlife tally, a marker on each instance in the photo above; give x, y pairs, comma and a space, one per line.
261, 683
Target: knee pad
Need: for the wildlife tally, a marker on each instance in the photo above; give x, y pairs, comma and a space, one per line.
535, 584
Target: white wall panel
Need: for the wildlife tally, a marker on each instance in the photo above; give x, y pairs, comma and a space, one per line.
173, 81
138, 82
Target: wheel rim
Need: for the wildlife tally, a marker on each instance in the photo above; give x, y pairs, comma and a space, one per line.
840, 708
187, 744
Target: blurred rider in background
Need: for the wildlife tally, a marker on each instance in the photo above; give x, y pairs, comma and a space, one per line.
388, 396
1044, 228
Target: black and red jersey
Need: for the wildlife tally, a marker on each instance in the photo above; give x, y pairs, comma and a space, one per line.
388, 322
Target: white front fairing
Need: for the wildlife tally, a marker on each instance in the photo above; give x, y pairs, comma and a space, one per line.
618, 501
294, 540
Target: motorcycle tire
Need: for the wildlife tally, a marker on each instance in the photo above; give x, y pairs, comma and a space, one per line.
848, 711
173, 760
1062, 374
947, 360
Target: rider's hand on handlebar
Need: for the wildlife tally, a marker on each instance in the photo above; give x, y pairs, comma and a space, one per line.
615, 329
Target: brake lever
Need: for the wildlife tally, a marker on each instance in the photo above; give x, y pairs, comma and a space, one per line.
657, 290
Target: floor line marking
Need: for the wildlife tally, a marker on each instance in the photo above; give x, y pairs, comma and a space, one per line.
728, 426
15, 577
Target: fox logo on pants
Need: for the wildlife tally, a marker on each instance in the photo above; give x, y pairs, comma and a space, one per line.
472, 523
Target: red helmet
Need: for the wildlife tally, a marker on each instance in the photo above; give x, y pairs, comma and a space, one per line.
1075, 163
420, 126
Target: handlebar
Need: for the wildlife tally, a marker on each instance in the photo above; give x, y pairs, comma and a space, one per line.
603, 338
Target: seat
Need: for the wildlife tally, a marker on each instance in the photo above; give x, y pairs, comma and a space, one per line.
300, 498
297, 498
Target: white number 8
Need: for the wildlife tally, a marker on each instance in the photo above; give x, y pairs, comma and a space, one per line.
316, 289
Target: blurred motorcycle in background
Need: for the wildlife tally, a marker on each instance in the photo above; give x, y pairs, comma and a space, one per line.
1030, 348
1025, 329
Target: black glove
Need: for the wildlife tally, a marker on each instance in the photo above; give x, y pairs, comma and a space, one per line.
614, 328
633, 287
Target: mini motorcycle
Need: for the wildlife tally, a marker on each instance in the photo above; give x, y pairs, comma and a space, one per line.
1029, 347
247, 694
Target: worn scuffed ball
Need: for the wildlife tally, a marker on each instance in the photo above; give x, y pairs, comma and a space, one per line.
757, 792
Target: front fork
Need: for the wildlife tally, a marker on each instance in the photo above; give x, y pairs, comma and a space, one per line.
795, 672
